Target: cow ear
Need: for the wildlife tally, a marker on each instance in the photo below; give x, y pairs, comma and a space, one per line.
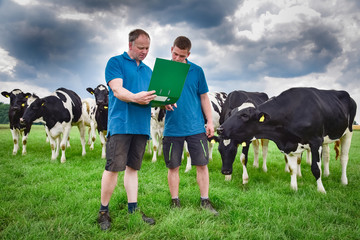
27, 95
5, 94
90, 90
263, 117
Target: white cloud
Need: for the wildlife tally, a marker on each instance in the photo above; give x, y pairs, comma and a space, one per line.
7, 63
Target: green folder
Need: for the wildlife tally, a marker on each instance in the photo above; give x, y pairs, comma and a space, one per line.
167, 80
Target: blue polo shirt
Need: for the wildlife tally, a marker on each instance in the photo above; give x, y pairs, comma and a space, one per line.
123, 117
187, 119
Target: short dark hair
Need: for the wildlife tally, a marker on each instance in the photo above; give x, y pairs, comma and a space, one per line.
183, 43
134, 34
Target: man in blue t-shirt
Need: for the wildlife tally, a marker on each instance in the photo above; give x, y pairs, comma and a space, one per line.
129, 116
184, 121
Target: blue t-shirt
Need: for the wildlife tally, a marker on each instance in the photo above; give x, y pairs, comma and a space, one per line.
123, 117
187, 119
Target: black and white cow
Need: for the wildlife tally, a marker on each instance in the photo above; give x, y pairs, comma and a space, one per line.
296, 120
101, 94
228, 148
157, 129
18, 104
59, 111
88, 116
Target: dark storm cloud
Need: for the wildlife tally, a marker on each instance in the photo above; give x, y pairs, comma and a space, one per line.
200, 13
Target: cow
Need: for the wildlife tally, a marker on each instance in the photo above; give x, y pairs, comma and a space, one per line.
157, 129
88, 115
60, 111
296, 120
101, 94
217, 100
18, 104
228, 147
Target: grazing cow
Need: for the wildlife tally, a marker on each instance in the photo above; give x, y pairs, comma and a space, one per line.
101, 94
296, 120
18, 104
88, 115
228, 148
217, 100
59, 111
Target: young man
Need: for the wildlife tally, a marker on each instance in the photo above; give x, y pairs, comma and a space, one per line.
184, 121
129, 116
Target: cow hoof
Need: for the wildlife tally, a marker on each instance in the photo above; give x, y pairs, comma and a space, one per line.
265, 169
344, 181
245, 181
187, 170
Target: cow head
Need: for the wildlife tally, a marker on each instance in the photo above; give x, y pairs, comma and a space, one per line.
18, 100
228, 150
243, 124
34, 111
101, 94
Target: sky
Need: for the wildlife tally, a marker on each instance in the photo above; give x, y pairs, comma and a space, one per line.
252, 45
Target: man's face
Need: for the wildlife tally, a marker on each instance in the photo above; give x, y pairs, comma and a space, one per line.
139, 48
179, 55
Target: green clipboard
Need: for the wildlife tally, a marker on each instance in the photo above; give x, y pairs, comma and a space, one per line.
167, 80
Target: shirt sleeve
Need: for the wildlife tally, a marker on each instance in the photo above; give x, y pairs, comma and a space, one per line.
203, 87
113, 70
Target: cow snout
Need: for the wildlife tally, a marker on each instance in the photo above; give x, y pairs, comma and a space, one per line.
220, 130
226, 172
22, 121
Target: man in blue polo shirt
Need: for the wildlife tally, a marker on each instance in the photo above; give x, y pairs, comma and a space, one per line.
129, 116
184, 121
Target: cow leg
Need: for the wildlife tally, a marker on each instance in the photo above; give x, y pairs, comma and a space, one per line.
325, 155
316, 166
244, 160
211, 147
54, 144
24, 141
256, 152
15, 136
188, 159
308, 156
298, 161
81, 128
93, 135
63, 141
292, 164
103, 143
344, 155
287, 168
149, 146
265, 147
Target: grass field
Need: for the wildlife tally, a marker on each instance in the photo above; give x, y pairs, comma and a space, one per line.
44, 199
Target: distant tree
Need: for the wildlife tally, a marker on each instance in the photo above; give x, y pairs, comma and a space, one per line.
355, 123
4, 110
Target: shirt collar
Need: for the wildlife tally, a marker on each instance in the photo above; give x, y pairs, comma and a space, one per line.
126, 55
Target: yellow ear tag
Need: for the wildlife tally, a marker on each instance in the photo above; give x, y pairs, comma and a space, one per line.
7, 96
42, 104
92, 93
23, 105
26, 96
213, 141
105, 107
243, 144
262, 119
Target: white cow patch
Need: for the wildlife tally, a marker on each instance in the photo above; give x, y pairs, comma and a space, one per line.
245, 105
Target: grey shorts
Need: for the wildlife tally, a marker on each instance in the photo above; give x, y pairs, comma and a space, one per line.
173, 148
125, 150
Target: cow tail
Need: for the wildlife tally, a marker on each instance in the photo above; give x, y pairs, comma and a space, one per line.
352, 114
336, 148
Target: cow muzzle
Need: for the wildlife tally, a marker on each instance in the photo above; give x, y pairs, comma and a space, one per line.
226, 172
220, 130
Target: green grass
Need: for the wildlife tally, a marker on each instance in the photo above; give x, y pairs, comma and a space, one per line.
44, 199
